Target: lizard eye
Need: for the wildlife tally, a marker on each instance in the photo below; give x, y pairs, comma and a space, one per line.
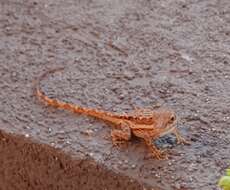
172, 118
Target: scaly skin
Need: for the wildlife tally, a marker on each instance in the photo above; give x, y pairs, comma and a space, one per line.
143, 123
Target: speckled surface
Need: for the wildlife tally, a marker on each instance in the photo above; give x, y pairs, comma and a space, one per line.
170, 53
29, 165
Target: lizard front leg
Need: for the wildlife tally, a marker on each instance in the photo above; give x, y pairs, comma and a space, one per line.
121, 133
156, 153
180, 139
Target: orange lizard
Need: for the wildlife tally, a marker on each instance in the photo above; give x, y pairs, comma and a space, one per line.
143, 123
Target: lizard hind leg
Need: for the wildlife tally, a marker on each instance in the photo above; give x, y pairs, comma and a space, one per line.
121, 133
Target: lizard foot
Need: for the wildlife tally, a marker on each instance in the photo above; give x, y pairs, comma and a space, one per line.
180, 139
161, 155
118, 142
156, 153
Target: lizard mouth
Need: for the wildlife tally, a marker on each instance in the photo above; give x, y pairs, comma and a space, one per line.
171, 129
168, 130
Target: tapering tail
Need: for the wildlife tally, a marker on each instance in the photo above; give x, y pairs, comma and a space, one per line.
53, 102
106, 116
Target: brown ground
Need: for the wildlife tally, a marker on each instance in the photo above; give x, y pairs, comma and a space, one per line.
41, 167
118, 54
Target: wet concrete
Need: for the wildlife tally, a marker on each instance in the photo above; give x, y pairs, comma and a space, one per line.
119, 55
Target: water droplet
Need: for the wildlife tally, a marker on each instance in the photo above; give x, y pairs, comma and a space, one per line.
91, 154
68, 142
226, 118
133, 166
120, 162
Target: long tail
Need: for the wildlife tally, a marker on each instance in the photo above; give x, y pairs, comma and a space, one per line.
106, 116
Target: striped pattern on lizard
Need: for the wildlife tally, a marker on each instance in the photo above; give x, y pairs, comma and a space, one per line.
146, 124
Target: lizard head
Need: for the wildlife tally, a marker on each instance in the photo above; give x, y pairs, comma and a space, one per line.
165, 121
